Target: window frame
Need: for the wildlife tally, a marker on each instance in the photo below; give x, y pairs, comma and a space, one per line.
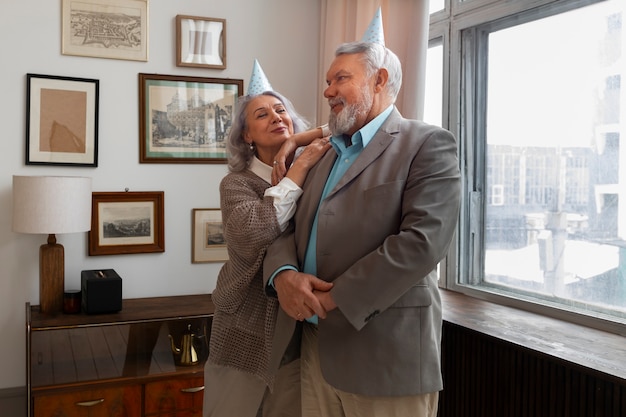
439, 34
462, 29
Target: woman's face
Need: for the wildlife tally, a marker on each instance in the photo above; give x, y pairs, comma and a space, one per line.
268, 125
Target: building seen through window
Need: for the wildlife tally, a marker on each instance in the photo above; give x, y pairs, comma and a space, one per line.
553, 221
542, 129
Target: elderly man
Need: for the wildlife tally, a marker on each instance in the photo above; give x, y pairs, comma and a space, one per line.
358, 263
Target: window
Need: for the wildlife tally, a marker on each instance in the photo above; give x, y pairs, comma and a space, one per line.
436, 5
535, 99
497, 197
434, 86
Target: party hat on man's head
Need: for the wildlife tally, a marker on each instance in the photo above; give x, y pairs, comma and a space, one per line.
258, 81
374, 32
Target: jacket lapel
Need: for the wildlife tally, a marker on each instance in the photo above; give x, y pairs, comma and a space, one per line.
373, 150
314, 186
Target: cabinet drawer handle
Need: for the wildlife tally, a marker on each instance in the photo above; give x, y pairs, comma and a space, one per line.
90, 403
192, 390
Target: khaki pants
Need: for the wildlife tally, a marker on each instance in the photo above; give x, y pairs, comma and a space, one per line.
319, 399
230, 392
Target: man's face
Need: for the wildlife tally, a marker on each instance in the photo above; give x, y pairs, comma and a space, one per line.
349, 94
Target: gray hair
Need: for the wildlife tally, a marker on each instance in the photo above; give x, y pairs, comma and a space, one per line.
240, 152
375, 57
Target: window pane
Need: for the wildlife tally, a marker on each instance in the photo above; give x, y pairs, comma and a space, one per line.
436, 5
434, 85
555, 219
433, 95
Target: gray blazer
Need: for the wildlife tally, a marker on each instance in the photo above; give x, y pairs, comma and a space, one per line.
381, 232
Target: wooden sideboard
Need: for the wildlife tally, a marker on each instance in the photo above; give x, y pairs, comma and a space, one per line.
120, 364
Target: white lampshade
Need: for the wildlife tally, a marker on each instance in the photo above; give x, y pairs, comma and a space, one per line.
51, 205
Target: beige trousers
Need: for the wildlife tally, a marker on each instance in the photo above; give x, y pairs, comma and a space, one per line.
230, 392
319, 399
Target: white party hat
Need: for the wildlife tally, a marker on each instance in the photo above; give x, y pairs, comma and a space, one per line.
258, 81
374, 32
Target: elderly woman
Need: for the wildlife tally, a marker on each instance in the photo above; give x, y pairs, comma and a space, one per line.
249, 370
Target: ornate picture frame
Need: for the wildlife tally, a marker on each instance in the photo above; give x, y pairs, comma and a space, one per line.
185, 119
61, 120
116, 29
200, 42
207, 241
127, 222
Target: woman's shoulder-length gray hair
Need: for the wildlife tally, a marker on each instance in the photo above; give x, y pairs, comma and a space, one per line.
238, 150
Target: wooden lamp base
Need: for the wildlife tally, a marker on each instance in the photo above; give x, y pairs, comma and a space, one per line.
51, 276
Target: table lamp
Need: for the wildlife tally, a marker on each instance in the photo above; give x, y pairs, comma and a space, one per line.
51, 205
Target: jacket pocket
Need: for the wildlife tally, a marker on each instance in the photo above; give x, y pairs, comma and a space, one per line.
417, 296
381, 191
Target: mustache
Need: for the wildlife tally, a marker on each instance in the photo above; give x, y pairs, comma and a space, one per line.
336, 100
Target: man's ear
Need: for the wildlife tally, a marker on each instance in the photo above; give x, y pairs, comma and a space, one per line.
381, 80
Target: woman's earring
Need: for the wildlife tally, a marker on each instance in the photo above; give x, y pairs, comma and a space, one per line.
251, 146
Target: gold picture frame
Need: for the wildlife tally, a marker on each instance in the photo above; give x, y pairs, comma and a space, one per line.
200, 42
116, 29
207, 236
127, 222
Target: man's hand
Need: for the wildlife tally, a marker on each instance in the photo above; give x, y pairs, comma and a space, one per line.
325, 300
296, 294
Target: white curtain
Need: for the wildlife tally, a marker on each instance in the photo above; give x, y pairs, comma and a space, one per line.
405, 25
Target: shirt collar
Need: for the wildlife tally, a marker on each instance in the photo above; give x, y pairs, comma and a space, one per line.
261, 169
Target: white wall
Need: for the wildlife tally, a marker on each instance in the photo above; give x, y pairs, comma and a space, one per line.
282, 34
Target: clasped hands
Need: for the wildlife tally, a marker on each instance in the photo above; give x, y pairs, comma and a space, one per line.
303, 295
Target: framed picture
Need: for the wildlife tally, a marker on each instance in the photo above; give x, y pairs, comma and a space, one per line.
126, 222
61, 120
185, 119
200, 42
207, 242
116, 29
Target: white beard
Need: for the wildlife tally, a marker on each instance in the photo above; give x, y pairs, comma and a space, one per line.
344, 121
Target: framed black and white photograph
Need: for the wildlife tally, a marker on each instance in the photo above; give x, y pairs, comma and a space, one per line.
200, 42
61, 120
207, 230
185, 119
116, 29
126, 222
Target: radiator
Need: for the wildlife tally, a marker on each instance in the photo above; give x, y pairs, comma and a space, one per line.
487, 377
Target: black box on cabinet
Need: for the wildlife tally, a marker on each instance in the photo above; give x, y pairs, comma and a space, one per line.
101, 291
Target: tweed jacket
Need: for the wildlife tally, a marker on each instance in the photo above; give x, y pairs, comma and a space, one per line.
242, 331
381, 232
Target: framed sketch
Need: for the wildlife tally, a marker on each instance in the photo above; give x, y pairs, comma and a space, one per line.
126, 222
185, 119
207, 242
116, 29
61, 120
200, 42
